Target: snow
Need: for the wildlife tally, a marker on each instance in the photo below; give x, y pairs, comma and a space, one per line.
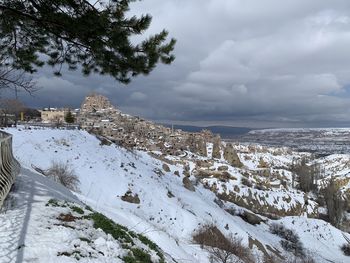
107, 172
22, 220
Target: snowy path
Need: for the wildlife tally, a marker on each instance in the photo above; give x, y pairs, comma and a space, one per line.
30, 193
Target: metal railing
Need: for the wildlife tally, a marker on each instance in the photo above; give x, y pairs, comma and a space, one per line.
9, 166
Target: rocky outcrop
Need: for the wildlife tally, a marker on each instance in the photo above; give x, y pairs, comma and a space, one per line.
95, 102
196, 144
223, 168
222, 175
216, 147
166, 167
131, 198
231, 156
203, 163
187, 183
259, 205
251, 218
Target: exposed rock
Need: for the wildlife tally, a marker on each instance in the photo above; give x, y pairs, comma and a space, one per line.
251, 218
177, 173
231, 156
188, 184
202, 148
166, 167
203, 163
223, 168
104, 141
202, 173
186, 173
222, 175
216, 147
197, 144
130, 198
259, 205
95, 102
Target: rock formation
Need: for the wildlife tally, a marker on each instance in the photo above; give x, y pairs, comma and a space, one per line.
231, 156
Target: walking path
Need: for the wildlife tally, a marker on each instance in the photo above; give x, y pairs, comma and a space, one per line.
23, 210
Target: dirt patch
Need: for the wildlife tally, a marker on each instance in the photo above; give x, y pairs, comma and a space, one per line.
67, 218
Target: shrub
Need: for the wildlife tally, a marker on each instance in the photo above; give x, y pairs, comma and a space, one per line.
137, 256
291, 241
221, 248
346, 249
77, 210
63, 174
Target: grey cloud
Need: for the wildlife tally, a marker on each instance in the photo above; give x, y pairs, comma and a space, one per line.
239, 62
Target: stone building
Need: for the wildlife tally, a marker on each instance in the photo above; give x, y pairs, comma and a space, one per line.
53, 115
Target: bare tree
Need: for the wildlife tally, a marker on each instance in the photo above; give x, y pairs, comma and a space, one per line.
11, 78
335, 203
10, 108
306, 174
64, 174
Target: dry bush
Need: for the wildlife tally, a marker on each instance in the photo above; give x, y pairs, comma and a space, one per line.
290, 241
346, 249
221, 248
64, 174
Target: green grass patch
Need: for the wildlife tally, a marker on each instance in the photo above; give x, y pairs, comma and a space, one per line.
53, 202
152, 246
137, 255
88, 208
77, 210
56, 203
108, 226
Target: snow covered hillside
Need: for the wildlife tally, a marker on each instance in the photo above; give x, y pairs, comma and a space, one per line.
43, 222
164, 209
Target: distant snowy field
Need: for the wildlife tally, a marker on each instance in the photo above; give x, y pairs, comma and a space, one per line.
108, 172
322, 141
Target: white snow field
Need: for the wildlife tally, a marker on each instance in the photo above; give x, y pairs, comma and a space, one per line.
106, 173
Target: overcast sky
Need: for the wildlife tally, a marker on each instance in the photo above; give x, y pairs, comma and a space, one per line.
254, 63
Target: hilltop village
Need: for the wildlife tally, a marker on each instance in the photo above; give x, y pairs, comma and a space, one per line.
100, 117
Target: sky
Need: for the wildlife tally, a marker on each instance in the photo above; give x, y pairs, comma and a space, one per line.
243, 63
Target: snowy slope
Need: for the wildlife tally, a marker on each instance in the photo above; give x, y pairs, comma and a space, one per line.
107, 172
22, 214
42, 221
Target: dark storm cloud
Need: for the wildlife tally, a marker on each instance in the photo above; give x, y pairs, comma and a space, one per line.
239, 62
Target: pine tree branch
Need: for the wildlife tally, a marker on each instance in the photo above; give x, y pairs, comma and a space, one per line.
44, 24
